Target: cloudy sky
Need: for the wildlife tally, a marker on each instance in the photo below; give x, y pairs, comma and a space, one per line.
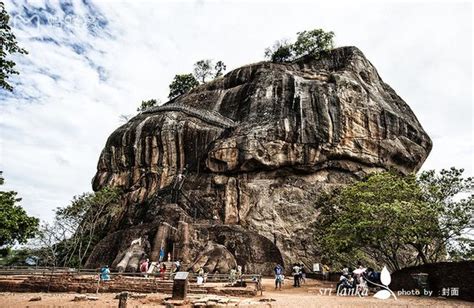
91, 61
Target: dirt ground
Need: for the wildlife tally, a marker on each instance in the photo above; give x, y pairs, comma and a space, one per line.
309, 295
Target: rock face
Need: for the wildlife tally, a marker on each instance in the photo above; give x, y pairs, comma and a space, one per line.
232, 168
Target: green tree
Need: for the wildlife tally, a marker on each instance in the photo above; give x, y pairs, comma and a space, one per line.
79, 226
182, 84
9, 46
148, 104
219, 69
451, 195
313, 42
203, 69
16, 225
281, 51
397, 220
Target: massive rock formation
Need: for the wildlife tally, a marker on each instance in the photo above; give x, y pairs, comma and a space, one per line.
228, 173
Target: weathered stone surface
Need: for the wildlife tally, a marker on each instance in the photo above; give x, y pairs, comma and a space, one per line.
257, 146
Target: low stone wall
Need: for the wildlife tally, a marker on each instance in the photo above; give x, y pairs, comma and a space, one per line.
90, 284
457, 276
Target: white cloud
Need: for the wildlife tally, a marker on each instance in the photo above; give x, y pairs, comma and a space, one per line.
72, 92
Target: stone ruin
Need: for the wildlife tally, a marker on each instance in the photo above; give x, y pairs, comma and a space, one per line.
228, 173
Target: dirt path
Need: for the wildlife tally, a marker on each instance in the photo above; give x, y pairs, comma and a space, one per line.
307, 296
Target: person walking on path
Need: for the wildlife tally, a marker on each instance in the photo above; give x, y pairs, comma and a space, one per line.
278, 276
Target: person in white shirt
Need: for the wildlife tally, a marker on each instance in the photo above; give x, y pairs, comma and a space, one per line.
296, 275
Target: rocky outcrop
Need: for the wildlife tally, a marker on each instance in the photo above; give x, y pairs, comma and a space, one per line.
249, 152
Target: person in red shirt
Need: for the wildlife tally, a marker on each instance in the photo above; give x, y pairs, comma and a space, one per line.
144, 267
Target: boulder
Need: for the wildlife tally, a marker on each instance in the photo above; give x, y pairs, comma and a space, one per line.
248, 153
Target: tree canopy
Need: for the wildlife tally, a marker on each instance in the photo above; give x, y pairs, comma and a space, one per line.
312, 42
76, 228
16, 225
219, 69
9, 46
204, 71
281, 51
398, 220
182, 84
148, 104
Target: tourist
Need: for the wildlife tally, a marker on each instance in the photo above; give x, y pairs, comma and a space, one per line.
163, 270
372, 277
345, 270
302, 273
278, 276
200, 276
162, 254
177, 265
105, 273
296, 275
169, 257
345, 282
232, 275
326, 271
144, 267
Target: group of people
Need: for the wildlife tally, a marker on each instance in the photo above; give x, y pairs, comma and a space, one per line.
235, 274
298, 272
351, 279
147, 267
357, 280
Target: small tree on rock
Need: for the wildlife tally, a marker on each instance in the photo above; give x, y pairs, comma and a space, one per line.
182, 84
148, 104
281, 51
203, 69
219, 69
313, 42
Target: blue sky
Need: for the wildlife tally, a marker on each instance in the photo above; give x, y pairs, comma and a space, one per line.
91, 61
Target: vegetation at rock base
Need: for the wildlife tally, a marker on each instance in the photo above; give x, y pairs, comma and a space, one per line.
204, 71
399, 220
312, 42
16, 225
9, 46
69, 239
148, 104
